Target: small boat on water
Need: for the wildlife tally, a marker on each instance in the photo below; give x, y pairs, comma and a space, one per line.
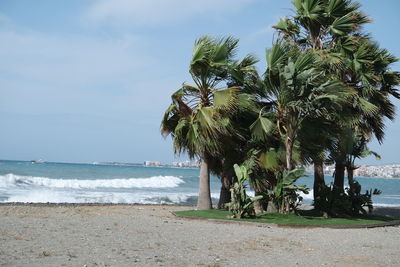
37, 161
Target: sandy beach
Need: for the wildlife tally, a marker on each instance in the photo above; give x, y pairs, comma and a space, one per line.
134, 235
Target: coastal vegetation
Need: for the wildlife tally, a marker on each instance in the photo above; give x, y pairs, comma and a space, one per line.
325, 93
304, 218
241, 204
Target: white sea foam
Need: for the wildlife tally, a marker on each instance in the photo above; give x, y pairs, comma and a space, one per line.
12, 180
391, 196
386, 205
54, 196
309, 196
42, 196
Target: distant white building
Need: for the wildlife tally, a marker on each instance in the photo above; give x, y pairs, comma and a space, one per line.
149, 163
186, 164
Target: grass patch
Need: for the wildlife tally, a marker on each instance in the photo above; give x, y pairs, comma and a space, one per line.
307, 218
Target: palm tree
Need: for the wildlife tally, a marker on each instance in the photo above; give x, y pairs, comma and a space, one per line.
366, 69
296, 90
317, 25
354, 146
199, 115
315, 138
332, 29
242, 75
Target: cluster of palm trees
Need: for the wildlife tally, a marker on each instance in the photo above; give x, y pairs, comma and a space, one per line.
325, 93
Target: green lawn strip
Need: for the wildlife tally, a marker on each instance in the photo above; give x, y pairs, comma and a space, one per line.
288, 219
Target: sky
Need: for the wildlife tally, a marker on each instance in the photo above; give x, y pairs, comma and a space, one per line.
84, 81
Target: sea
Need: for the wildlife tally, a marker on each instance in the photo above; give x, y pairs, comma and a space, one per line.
51, 182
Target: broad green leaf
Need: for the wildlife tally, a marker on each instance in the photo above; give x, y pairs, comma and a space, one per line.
342, 25
275, 55
205, 118
226, 99
238, 172
289, 177
367, 107
305, 61
269, 160
262, 128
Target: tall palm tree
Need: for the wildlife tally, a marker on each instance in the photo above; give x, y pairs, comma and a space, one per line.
367, 70
296, 91
315, 138
318, 25
332, 28
354, 146
242, 75
199, 115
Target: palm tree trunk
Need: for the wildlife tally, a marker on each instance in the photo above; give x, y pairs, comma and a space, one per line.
289, 147
339, 175
272, 208
204, 201
265, 204
225, 193
319, 181
261, 205
350, 175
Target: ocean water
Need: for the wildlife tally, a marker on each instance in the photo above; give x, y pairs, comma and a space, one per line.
22, 181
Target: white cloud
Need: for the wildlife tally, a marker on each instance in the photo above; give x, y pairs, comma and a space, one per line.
36, 56
81, 97
69, 73
159, 12
260, 33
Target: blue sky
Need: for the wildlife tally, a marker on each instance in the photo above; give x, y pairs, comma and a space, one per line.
84, 81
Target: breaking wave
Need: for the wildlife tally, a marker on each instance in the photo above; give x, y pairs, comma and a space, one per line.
52, 196
12, 180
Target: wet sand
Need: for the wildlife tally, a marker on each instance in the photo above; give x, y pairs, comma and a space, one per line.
388, 211
134, 235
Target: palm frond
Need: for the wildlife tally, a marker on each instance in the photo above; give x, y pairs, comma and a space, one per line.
226, 99
276, 54
342, 25
262, 128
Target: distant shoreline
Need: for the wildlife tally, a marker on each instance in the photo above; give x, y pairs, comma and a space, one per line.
367, 177
308, 169
102, 164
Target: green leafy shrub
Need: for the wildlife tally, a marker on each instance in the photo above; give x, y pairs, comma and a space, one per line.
358, 200
348, 202
241, 204
286, 195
